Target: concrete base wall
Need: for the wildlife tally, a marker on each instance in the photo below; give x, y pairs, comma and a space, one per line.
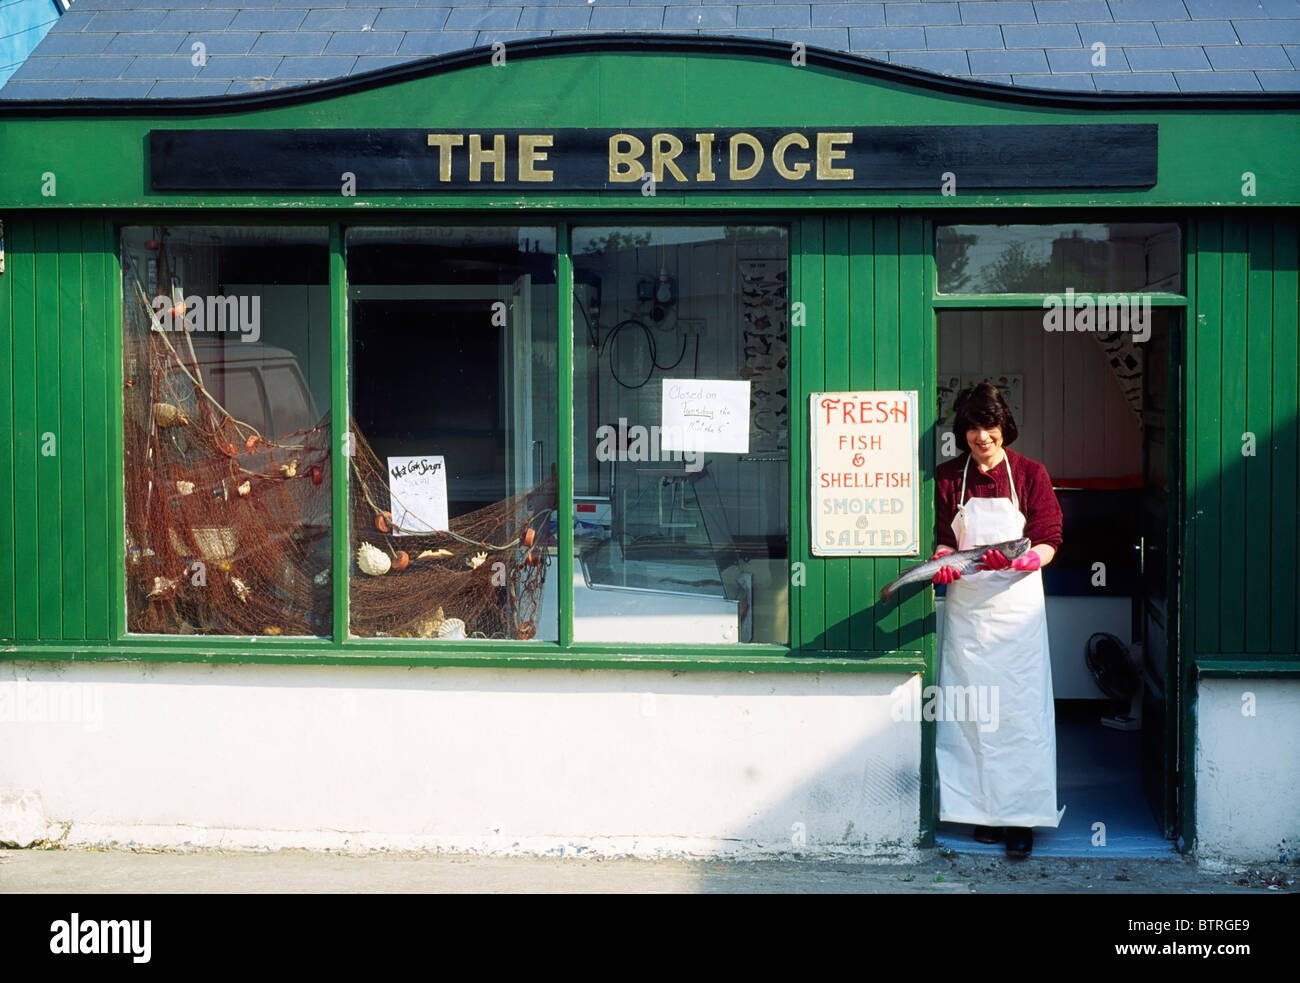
499, 761
1247, 769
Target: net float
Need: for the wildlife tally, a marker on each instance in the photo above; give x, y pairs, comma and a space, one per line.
316, 475
382, 519
401, 561
529, 535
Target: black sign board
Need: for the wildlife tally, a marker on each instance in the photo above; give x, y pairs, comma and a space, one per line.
645, 161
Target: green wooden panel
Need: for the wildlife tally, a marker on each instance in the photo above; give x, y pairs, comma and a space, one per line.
20, 263
47, 560
799, 524
885, 318
862, 374
7, 598
102, 473
1203, 442
1256, 547
835, 348
1232, 463
811, 293
915, 371
1284, 583
72, 333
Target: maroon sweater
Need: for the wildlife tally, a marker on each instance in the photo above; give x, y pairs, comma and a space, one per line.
1033, 490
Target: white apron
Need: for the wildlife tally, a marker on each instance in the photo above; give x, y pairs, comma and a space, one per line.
998, 769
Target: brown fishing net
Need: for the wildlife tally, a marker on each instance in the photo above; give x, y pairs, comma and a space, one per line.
228, 528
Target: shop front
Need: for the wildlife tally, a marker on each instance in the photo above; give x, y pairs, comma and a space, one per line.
512, 457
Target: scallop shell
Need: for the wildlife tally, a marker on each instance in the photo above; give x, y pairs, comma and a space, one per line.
185, 487
477, 560
372, 561
451, 628
167, 415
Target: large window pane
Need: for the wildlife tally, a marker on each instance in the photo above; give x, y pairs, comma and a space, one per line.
454, 408
226, 430
681, 434
1004, 259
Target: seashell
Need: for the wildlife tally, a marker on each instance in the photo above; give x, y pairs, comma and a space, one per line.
372, 561
245, 488
252, 442
161, 585
451, 628
290, 470
428, 628
241, 589
433, 554
271, 630
185, 487
476, 561
167, 415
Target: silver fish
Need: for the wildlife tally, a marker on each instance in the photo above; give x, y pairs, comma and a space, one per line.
966, 561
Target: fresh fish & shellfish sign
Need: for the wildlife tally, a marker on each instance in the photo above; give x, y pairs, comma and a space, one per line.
865, 481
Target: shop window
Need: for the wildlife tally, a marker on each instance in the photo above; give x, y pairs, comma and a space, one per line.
1084, 257
681, 434
226, 431
454, 405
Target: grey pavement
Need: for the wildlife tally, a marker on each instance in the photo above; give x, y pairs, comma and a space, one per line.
96, 871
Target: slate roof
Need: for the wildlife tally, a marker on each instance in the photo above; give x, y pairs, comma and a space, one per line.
22, 25
144, 49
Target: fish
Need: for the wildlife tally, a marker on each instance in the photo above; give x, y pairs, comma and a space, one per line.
965, 561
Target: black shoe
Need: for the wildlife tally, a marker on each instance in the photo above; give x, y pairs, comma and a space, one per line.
1020, 841
988, 834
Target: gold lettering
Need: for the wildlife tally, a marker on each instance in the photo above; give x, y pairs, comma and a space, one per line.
625, 165
705, 140
478, 156
747, 173
530, 153
795, 172
444, 142
827, 155
666, 149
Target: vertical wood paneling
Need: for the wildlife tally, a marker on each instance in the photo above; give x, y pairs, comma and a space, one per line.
102, 475
47, 560
812, 288
20, 262
7, 599
839, 608
884, 328
1257, 517
1284, 585
71, 328
1232, 464
863, 353
912, 369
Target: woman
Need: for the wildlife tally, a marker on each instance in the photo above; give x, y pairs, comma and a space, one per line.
999, 775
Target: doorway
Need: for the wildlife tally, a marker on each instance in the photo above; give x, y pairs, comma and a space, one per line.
1096, 403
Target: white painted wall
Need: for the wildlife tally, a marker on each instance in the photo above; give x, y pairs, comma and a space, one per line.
1247, 769
542, 760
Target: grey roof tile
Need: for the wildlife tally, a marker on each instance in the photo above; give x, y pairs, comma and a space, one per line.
886, 38
625, 18
761, 33
221, 43
922, 13
774, 15
486, 38
993, 12
1025, 61
421, 44
411, 19
341, 19
362, 43
1071, 11
1196, 32
371, 63
75, 43
114, 89
1217, 82
1240, 9
556, 18
1151, 10
161, 67
691, 18
848, 15
1167, 59
197, 20
296, 43
1293, 52
1067, 60
1117, 34
268, 20
1279, 81
1268, 31
17, 88
967, 36
177, 89
1136, 82
231, 67
75, 68
314, 67
1255, 57
1040, 36
145, 44
483, 18
74, 20
835, 38
1073, 83
943, 62
993, 79
125, 20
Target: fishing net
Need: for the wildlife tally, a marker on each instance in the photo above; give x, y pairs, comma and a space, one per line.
228, 528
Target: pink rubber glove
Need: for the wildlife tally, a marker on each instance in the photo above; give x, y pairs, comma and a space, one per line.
994, 560
1030, 561
946, 575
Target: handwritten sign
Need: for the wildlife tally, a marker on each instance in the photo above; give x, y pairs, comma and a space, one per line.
418, 486
705, 415
865, 488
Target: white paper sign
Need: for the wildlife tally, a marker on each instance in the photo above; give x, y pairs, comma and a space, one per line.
418, 486
706, 415
865, 487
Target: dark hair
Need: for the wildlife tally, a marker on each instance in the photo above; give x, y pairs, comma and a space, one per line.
981, 405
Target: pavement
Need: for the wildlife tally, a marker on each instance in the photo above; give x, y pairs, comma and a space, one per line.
120, 871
